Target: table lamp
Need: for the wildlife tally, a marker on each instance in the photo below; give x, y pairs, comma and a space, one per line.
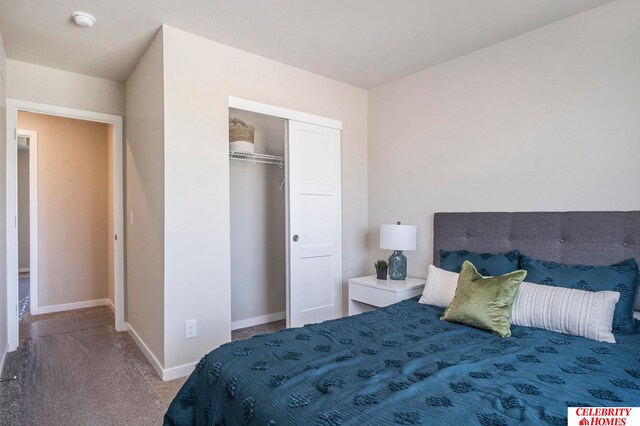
398, 238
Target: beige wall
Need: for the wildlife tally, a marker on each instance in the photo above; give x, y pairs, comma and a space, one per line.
200, 75
145, 199
23, 208
35, 83
72, 208
545, 121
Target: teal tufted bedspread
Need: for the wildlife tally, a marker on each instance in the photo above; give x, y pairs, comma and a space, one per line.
402, 365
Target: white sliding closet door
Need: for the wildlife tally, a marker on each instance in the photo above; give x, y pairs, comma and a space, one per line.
315, 224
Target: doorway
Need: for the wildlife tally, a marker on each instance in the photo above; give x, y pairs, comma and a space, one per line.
312, 231
113, 234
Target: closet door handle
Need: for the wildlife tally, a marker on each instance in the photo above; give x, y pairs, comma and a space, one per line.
295, 238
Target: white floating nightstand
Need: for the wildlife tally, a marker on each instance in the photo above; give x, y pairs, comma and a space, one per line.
368, 293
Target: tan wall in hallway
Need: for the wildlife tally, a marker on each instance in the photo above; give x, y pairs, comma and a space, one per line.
72, 208
23, 208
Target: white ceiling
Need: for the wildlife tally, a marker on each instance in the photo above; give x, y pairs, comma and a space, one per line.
362, 42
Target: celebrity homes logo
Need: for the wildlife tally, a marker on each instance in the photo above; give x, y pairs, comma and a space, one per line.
604, 416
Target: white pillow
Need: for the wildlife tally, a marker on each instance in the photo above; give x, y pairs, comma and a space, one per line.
580, 313
440, 287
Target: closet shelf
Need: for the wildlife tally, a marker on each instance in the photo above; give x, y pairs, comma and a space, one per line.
257, 158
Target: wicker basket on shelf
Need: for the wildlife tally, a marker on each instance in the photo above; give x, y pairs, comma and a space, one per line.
241, 136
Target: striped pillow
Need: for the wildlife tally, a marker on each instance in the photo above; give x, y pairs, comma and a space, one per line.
578, 312
440, 287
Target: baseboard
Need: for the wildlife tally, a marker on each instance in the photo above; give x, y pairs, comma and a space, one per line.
111, 306
21, 270
165, 374
263, 319
145, 350
68, 306
179, 371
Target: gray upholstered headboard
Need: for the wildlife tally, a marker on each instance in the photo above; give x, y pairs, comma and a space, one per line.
592, 238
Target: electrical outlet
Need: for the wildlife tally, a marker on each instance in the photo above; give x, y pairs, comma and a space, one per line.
190, 329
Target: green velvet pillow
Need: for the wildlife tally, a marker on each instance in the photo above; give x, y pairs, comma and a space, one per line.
484, 302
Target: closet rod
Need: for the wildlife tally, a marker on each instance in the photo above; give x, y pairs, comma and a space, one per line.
257, 158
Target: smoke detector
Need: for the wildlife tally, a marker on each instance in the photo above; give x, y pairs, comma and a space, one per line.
83, 19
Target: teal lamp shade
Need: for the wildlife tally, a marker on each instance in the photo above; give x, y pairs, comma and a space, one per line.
398, 238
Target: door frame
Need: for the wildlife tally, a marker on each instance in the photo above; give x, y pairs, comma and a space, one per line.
13, 106
288, 115
32, 135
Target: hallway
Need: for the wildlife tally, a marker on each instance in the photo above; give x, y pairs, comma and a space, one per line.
73, 368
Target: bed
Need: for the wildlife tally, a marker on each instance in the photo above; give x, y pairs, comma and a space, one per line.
402, 365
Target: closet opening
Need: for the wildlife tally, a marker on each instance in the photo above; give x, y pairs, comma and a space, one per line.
286, 218
258, 225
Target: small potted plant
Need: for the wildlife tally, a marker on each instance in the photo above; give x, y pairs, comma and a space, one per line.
381, 269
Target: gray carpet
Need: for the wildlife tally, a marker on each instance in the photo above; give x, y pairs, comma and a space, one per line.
245, 333
73, 368
61, 325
